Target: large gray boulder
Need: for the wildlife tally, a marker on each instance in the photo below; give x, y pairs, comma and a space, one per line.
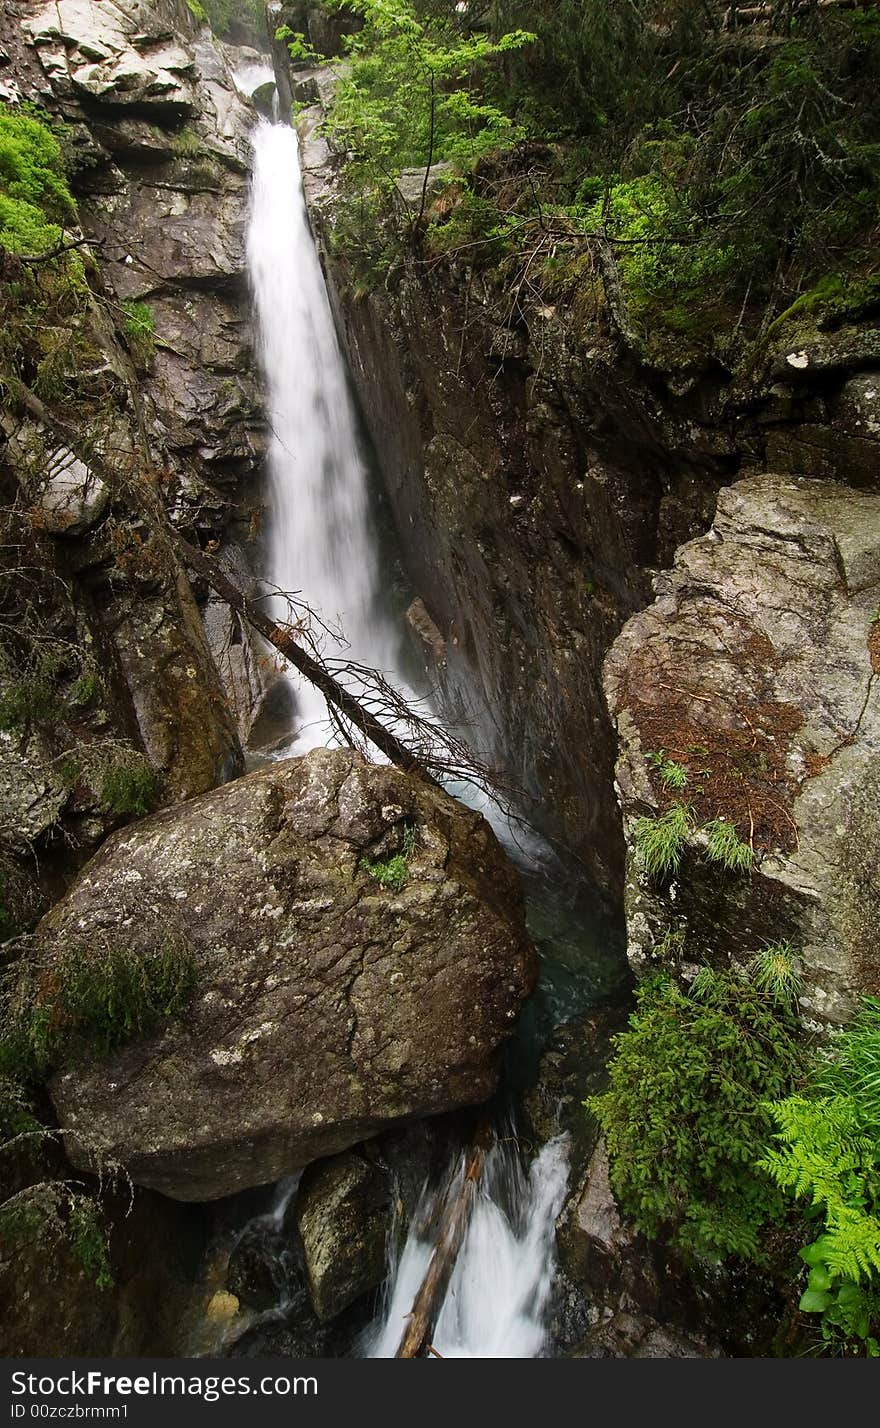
756, 669
329, 1003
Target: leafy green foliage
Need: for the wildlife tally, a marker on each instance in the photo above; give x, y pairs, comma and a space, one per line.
685, 1115
409, 95
730, 170
45, 1214
27, 701
223, 15
16, 1112
298, 46
87, 1001
41, 304
827, 1152
660, 841
389, 872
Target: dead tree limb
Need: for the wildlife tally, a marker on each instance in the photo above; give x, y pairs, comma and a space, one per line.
281, 637
48, 257
453, 1225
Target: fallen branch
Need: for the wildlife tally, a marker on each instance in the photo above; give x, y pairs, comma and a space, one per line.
453, 1224
281, 636
60, 250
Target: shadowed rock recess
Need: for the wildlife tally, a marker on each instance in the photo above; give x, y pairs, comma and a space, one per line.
328, 1004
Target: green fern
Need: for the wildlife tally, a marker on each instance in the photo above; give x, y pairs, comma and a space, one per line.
827, 1153
685, 1114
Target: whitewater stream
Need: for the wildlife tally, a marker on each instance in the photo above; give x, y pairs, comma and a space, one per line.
322, 547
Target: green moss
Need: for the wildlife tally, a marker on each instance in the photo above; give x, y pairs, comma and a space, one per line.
836, 298
35, 200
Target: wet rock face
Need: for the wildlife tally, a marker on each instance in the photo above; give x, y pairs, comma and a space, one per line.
757, 669
536, 483
158, 137
328, 1005
525, 543
163, 189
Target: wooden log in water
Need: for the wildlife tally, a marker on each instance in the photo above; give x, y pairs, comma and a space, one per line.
453, 1224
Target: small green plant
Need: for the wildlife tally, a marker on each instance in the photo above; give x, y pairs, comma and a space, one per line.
393, 872
88, 1001
773, 973
660, 840
389, 873
140, 327
299, 47
724, 846
52, 1212
16, 1112
670, 773
26, 702
685, 1115
86, 689
129, 785
187, 145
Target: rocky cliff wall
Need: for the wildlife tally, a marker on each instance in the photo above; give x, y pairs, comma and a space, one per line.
543, 468
156, 392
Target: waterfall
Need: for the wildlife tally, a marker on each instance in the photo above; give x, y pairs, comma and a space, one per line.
494, 1306
321, 542
321, 539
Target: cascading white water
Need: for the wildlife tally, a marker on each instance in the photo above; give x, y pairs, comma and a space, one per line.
496, 1301
321, 541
